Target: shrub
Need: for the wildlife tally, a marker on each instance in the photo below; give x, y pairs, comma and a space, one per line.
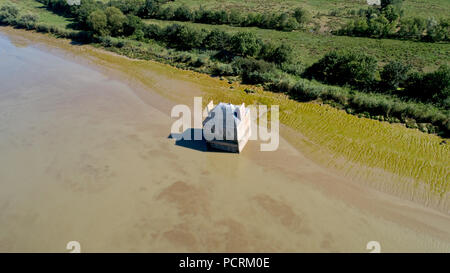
132, 24
302, 16
42, 28
152, 31
139, 35
296, 68
183, 13
150, 8
437, 31
344, 67
412, 28
245, 44
394, 74
221, 69
116, 20
289, 24
252, 71
379, 27
235, 18
431, 87
184, 37
217, 39
304, 91
81, 12
8, 13
98, 23
276, 54
132, 7
200, 61
166, 14
28, 20
391, 13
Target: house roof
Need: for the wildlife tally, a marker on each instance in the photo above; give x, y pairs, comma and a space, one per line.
226, 110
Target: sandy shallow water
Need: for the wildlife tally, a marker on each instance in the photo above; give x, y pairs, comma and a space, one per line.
85, 156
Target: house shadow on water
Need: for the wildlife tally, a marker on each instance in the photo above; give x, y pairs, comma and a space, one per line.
186, 140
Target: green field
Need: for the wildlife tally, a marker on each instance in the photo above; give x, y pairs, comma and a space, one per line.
421, 8
309, 47
45, 16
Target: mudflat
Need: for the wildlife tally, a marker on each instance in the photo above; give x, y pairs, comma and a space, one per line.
85, 156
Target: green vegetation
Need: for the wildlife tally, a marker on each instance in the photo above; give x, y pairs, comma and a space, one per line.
341, 68
310, 47
33, 6
286, 21
420, 8
386, 21
362, 85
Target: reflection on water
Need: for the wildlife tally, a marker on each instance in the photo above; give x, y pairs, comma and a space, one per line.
85, 158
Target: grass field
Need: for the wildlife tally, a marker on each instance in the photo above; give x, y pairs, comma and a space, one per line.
309, 47
420, 8
45, 16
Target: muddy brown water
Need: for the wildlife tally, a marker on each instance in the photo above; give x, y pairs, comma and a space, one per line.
85, 156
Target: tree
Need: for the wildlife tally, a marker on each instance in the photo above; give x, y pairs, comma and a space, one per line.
344, 67
98, 22
84, 10
394, 74
391, 13
184, 37
302, 16
183, 13
8, 13
437, 31
433, 87
360, 27
252, 71
245, 44
380, 27
116, 20
132, 24
289, 25
152, 31
150, 8
28, 20
276, 53
412, 28
217, 39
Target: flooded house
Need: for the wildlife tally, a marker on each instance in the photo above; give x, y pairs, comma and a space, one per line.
227, 127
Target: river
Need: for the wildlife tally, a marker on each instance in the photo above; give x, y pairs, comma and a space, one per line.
85, 156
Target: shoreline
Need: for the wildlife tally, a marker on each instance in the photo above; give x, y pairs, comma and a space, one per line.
412, 214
